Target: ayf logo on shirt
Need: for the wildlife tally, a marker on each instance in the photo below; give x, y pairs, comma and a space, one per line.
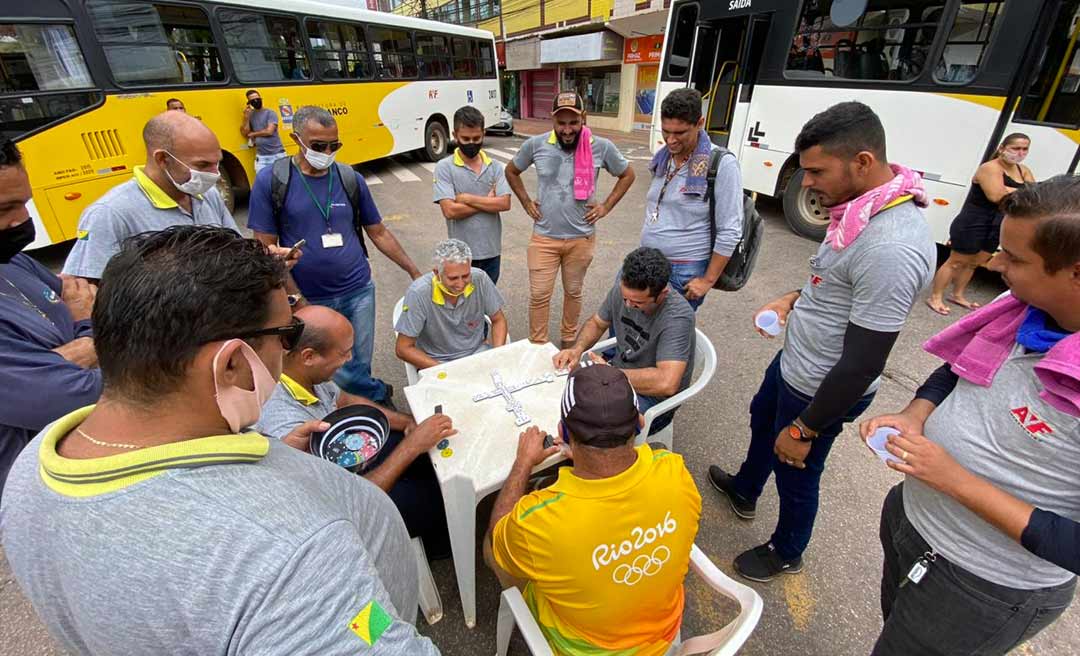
1031, 423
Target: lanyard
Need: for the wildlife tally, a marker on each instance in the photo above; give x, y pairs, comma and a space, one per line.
668, 177
323, 211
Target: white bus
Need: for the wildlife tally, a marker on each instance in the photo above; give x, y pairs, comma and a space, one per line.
79, 78
949, 78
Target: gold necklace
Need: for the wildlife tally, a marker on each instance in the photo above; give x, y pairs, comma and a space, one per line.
110, 445
24, 300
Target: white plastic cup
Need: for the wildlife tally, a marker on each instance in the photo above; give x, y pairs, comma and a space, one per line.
879, 439
769, 321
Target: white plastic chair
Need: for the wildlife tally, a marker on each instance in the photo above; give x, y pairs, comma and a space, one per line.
430, 601
411, 374
704, 368
725, 642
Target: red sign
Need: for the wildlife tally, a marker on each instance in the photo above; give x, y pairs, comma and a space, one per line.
500, 54
643, 49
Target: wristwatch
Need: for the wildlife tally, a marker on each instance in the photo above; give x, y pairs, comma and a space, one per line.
294, 299
798, 431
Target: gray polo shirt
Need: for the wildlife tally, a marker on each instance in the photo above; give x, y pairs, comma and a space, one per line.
444, 331
291, 405
642, 340
1009, 436
680, 229
873, 283
481, 231
222, 545
130, 208
259, 120
563, 216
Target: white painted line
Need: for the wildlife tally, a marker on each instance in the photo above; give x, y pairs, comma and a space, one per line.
401, 173
499, 153
644, 159
428, 165
512, 149
370, 178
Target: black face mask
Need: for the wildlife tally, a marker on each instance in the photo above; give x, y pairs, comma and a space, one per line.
470, 150
13, 240
256, 103
569, 146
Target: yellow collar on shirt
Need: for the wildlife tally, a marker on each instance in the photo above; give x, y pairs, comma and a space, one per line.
93, 476
157, 197
897, 201
297, 391
460, 162
554, 141
437, 296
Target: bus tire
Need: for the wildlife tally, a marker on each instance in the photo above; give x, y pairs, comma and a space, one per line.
803, 209
436, 141
225, 188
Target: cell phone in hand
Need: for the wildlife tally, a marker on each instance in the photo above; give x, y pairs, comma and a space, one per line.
549, 441
295, 248
438, 409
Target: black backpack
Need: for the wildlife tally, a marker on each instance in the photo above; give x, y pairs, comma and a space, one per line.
741, 263
279, 185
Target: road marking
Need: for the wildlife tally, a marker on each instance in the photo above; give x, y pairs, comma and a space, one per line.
428, 165
370, 178
800, 601
512, 149
401, 173
640, 159
499, 153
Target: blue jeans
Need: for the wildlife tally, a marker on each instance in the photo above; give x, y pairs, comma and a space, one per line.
684, 272
661, 422
355, 375
490, 266
775, 406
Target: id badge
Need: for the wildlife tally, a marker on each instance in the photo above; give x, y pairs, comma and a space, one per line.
333, 240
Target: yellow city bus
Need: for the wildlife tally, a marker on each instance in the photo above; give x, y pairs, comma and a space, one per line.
80, 78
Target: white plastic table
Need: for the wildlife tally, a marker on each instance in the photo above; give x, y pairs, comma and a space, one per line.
480, 456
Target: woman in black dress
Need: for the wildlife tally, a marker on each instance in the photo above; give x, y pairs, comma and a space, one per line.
973, 235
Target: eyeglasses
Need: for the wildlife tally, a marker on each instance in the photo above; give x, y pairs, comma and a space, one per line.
290, 334
323, 146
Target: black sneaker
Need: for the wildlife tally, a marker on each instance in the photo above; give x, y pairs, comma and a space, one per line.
764, 564
722, 481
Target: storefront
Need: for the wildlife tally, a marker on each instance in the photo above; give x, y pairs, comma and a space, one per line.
528, 87
591, 64
643, 54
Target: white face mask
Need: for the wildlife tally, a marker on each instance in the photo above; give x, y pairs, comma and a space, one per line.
198, 184
321, 161
1013, 156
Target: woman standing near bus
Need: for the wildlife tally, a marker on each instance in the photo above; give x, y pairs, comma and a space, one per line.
973, 235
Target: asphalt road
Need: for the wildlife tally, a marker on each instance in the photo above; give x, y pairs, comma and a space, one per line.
832, 606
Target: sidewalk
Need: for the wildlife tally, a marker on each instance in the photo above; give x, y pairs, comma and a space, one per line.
528, 127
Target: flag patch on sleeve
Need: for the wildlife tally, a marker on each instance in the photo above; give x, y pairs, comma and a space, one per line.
370, 623
82, 235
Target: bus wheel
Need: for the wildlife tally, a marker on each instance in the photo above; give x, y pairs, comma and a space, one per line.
803, 209
225, 188
435, 141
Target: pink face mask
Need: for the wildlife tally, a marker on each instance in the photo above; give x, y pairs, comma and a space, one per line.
238, 406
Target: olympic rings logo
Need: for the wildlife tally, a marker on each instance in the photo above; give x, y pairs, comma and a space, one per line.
642, 566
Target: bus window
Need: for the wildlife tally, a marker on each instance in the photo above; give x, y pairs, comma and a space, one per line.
433, 53
486, 59
682, 41
340, 51
393, 50
264, 48
156, 43
465, 55
41, 73
890, 41
967, 42
1054, 94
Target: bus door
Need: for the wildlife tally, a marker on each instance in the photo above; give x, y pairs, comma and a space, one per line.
1047, 105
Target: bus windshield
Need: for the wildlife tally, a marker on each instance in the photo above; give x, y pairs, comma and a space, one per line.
43, 77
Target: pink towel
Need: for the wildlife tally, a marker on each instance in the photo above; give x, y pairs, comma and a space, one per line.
584, 173
977, 346
848, 220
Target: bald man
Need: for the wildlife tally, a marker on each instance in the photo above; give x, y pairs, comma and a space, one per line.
306, 391
175, 187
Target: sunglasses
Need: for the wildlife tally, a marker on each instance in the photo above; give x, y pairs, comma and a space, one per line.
324, 146
289, 334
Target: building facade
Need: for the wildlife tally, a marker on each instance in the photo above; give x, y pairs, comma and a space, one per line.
607, 50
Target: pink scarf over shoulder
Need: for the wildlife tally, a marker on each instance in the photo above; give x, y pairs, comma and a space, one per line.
584, 171
848, 220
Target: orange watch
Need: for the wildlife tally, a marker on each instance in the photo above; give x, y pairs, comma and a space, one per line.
798, 431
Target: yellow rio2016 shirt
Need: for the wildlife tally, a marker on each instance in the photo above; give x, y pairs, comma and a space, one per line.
605, 559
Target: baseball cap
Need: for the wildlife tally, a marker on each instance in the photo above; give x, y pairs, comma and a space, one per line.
568, 100
599, 405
